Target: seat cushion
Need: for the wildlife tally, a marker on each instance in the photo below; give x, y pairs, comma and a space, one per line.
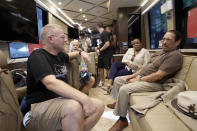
10, 115
3, 59
191, 75
20, 92
187, 60
92, 66
73, 73
159, 118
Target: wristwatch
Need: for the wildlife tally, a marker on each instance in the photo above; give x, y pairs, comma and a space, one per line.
80, 52
140, 78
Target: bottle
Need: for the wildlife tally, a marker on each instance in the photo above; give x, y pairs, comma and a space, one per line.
83, 65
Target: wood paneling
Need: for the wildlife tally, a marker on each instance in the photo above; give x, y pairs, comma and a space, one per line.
19, 65
122, 23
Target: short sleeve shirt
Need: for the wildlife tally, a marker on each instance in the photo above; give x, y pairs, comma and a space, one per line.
105, 36
40, 64
169, 62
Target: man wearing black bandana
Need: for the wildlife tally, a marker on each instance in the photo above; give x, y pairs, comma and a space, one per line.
50, 103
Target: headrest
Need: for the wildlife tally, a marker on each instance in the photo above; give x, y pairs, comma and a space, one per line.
3, 59
186, 102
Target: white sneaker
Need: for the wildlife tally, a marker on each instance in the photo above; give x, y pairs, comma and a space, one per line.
100, 84
27, 118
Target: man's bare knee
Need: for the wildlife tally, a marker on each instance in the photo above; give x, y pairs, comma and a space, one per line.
74, 117
92, 79
73, 107
99, 104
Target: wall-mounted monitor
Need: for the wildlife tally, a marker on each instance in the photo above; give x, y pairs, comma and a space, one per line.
124, 46
18, 50
73, 33
192, 26
188, 3
18, 21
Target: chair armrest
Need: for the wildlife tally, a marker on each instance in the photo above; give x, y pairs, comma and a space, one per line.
20, 92
73, 73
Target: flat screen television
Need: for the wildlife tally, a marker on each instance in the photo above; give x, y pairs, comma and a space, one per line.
18, 50
18, 21
192, 26
186, 14
188, 3
42, 17
73, 33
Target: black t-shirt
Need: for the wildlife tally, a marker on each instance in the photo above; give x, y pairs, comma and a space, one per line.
40, 64
105, 36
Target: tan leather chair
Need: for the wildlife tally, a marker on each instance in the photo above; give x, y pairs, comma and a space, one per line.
74, 70
73, 73
10, 114
92, 66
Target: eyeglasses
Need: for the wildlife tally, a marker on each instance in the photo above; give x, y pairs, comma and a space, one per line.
135, 43
166, 39
133, 57
61, 36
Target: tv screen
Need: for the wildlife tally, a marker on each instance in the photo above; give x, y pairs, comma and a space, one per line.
187, 3
42, 16
73, 33
192, 26
18, 21
18, 50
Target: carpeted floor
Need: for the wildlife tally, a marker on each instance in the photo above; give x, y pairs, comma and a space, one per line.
108, 118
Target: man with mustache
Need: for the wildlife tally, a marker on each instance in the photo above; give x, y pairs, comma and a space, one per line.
162, 66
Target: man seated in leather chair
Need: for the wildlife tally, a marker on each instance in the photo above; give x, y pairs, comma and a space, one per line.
51, 103
86, 79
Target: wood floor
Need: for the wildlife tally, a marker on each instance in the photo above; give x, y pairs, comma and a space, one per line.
108, 118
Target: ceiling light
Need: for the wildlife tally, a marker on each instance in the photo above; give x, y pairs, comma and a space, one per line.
144, 2
84, 16
55, 14
150, 6
78, 24
86, 19
8, 0
57, 8
80, 10
108, 4
60, 3
89, 30
81, 27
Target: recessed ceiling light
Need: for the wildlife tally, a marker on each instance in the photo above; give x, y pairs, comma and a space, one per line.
80, 9
89, 30
84, 16
144, 2
60, 3
86, 19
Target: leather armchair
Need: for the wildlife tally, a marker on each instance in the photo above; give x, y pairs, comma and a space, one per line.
10, 114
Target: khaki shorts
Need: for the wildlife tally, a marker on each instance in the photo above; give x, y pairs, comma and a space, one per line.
47, 115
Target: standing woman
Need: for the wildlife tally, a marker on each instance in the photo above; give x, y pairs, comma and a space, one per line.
132, 61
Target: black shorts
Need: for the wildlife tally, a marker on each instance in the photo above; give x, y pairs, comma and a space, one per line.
85, 78
104, 61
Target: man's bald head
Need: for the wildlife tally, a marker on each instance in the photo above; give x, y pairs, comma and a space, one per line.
49, 29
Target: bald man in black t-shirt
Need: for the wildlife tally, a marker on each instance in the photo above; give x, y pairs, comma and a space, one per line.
51, 103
